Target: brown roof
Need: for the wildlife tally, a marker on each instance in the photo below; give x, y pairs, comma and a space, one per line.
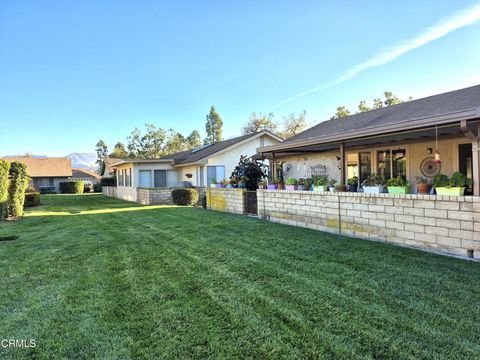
78, 173
44, 167
107, 165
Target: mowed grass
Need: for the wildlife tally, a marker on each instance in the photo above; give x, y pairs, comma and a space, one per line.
95, 277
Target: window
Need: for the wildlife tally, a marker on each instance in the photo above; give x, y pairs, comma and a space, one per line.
120, 178
200, 181
384, 164
160, 178
365, 165
392, 163
352, 165
216, 173
127, 177
145, 178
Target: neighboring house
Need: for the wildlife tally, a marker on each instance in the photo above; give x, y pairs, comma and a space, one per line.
399, 140
106, 169
45, 173
87, 176
199, 166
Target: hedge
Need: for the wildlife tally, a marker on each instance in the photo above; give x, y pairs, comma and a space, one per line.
72, 187
16, 190
107, 181
97, 188
4, 169
185, 196
32, 199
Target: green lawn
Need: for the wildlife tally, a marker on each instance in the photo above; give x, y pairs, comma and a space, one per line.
91, 276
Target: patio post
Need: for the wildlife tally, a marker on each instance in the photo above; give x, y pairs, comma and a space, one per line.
342, 164
475, 138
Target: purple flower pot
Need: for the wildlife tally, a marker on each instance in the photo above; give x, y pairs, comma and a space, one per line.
291, 187
220, 186
272, 186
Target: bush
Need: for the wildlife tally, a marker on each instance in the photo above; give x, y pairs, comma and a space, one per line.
4, 169
72, 187
107, 181
16, 190
87, 188
32, 199
185, 197
97, 188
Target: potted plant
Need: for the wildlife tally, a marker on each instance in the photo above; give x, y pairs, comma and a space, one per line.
262, 184
273, 185
233, 182
221, 183
373, 184
308, 184
454, 186
301, 184
331, 185
398, 185
242, 182
341, 188
353, 184
422, 185
291, 184
320, 183
213, 183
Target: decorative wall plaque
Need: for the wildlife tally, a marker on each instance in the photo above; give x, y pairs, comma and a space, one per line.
430, 168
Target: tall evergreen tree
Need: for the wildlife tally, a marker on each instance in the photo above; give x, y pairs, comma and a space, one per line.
213, 127
102, 150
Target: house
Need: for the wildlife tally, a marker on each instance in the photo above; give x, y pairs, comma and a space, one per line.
197, 167
106, 169
88, 177
45, 173
400, 140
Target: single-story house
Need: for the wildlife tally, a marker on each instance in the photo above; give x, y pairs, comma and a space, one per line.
45, 173
106, 169
400, 140
88, 177
198, 167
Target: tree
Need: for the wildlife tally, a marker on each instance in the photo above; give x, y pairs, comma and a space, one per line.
150, 145
176, 142
259, 122
363, 107
342, 111
102, 150
4, 184
293, 125
378, 103
16, 191
213, 127
119, 151
194, 140
253, 170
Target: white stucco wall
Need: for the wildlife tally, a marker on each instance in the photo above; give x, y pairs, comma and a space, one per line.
230, 157
300, 164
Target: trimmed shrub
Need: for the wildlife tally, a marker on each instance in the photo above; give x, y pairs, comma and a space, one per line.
16, 190
4, 169
87, 188
107, 181
72, 187
185, 196
97, 188
32, 199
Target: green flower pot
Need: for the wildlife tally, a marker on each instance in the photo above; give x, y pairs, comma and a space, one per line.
321, 188
397, 189
450, 191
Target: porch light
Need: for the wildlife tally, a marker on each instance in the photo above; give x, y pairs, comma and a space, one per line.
429, 151
437, 153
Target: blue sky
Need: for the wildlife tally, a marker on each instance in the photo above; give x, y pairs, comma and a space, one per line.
72, 72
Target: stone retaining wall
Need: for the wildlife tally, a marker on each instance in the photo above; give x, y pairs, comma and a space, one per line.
226, 200
446, 224
163, 196
109, 191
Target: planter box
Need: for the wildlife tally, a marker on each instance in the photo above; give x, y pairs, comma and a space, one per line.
301, 188
213, 185
242, 185
422, 189
373, 189
272, 187
321, 188
451, 191
397, 189
291, 187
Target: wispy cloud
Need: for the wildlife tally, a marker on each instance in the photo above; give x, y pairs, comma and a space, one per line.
445, 26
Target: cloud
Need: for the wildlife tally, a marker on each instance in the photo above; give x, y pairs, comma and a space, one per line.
445, 26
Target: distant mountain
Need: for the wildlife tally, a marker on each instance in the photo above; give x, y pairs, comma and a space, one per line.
84, 161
